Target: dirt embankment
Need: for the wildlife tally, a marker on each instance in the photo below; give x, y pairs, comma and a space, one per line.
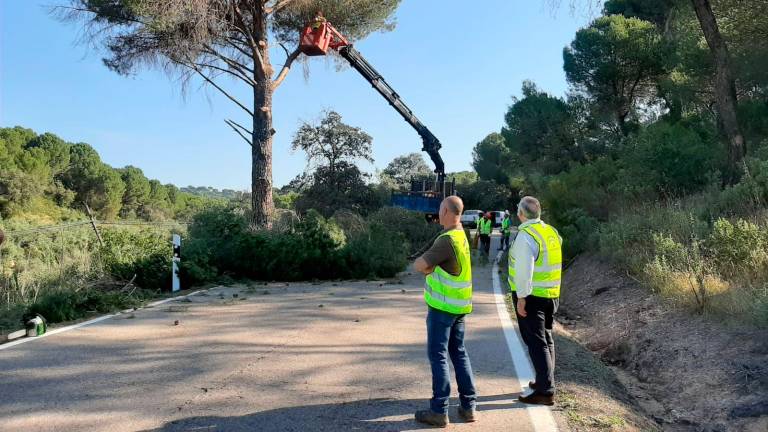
688, 372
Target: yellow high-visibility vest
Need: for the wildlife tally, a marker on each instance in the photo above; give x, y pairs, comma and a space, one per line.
505, 224
485, 226
548, 267
446, 292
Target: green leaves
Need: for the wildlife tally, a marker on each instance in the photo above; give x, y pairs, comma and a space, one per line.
45, 174
336, 183
491, 158
404, 168
353, 18
617, 61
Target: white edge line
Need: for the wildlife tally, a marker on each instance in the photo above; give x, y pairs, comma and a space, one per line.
541, 415
93, 321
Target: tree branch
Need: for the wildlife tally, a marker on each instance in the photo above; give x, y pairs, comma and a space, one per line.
286, 67
230, 62
192, 66
244, 129
243, 28
237, 75
279, 4
237, 47
235, 126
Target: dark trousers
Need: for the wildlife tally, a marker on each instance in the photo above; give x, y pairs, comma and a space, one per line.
445, 337
536, 330
485, 243
504, 242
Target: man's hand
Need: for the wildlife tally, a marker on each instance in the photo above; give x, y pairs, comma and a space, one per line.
521, 307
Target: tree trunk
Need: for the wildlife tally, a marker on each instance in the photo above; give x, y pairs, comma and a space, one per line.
261, 149
261, 153
621, 117
725, 90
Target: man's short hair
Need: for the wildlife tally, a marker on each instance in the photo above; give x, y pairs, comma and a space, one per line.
529, 207
454, 204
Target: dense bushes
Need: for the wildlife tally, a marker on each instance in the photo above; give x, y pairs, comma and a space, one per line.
343, 246
145, 254
654, 206
670, 160
70, 305
411, 225
716, 265
65, 274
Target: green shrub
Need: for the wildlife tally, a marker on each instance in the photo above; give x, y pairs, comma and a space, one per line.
314, 248
146, 254
739, 249
412, 225
376, 252
583, 186
70, 305
746, 197
577, 229
669, 160
628, 239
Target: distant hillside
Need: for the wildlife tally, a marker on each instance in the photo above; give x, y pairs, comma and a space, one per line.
209, 192
45, 179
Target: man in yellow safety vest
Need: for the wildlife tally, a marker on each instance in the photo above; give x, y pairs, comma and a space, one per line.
535, 268
484, 230
448, 294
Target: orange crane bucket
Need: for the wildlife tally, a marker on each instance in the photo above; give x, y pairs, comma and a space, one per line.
316, 39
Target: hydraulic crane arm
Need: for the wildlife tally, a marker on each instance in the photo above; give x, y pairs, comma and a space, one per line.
431, 143
320, 35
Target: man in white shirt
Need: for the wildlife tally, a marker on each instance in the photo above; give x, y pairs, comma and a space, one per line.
535, 267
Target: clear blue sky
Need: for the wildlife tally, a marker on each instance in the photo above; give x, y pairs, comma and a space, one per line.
455, 63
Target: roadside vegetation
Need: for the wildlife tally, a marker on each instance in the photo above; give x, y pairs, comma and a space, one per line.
334, 224
634, 164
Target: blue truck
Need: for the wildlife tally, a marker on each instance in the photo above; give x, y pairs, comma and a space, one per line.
424, 197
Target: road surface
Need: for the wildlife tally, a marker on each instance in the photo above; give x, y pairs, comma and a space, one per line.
346, 356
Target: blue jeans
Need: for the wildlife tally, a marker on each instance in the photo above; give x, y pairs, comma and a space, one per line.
445, 337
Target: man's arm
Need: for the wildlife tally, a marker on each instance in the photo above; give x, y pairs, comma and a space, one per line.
421, 266
524, 259
440, 252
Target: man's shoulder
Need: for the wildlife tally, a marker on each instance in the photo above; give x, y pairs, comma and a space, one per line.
527, 237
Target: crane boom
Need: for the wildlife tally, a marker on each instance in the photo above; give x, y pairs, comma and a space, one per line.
431, 143
316, 39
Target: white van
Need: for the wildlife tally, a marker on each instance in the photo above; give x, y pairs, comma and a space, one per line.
470, 217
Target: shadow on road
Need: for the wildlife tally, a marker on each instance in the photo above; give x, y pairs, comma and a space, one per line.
365, 415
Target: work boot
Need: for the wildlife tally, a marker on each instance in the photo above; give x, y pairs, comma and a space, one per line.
432, 418
468, 415
532, 385
537, 399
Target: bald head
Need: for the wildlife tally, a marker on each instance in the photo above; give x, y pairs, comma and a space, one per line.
450, 211
454, 205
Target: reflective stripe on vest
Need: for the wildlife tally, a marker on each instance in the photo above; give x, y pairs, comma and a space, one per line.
484, 225
548, 267
449, 293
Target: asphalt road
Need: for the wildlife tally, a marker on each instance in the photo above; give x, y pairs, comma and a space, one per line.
347, 356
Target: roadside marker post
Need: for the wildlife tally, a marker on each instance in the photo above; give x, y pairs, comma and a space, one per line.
176, 285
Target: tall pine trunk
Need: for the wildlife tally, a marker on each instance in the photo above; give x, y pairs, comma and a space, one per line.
261, 153
261, 148
725, 90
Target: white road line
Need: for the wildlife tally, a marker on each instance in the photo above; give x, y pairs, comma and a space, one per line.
541, 416
89, 322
